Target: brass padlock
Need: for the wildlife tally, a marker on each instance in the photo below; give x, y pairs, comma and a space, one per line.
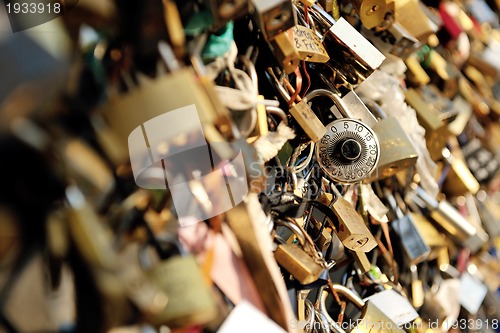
432, 237
351, 229
191, 301
303, 114
459, 180
308, 44
436, 131
397, 151
347, 48
378, 14
410, 15
285, 51
294, 258
372, 317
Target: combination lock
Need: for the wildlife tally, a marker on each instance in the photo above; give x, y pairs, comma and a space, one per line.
349, 150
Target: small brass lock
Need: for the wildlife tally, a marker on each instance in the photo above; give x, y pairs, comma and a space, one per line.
294, 258
351, 229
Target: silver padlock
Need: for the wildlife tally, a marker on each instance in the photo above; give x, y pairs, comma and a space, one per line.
348, 49
349, 151
414, 245
448, 218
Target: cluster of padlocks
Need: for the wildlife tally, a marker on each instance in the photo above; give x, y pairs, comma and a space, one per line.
251, 166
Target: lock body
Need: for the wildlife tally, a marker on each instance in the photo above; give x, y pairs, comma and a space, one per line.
190, 300
436, 131
298, 263
414, 245
375, 13
397, 152
286, 52
308, 120
352, 230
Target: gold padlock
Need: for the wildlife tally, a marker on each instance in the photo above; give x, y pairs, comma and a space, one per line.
436, 131
285, 51
459, 180
410, 15
351, 230
296, 260
397, 152
303, 114
375, 13
309, 45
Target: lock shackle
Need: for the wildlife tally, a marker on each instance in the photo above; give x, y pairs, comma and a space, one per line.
294, 228
344, 291
337, 100
322, 17
374, 108
274, 81
393, 203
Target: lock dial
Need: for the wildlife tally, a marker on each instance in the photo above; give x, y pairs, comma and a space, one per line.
349, 151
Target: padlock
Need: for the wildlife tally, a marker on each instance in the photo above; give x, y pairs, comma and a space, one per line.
415, 72
436, 131
455, 225
397, 151
350, 150
410, 15
432, 237
480, 161
347, 48
191, 301
285, 52
351, 228
394, 305
274, 17
302, 113
308, 44
371, 317
417, 288
120, 113
378, 14
459, 180
294, 258
414, 245
395, 40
